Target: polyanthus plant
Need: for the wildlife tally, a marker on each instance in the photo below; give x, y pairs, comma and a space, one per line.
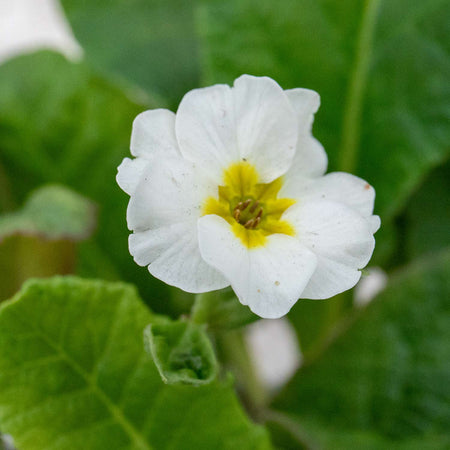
231, 191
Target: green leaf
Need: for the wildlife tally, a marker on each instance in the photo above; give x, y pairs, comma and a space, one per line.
387, 374
292, 432
427, 216
221, 310
74, 374
314, 321
381, 68
52, 212
182, 352
60, 123
151, 43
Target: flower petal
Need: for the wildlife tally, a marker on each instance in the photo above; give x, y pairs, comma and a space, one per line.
253, 121
305, 103
310, 161
310, 158
170, 190
340, 237
329, 279
337, 187
173, 256
129, 173
205, 128
374, 223
266, 125
153, 134
269, 279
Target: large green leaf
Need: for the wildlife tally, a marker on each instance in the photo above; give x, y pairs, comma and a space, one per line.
426, 222
152, 43
290, 432
74, 374
315, 320
387, 375
381, 68
60, 123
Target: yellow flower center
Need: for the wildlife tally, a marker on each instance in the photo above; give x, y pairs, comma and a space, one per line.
252, 209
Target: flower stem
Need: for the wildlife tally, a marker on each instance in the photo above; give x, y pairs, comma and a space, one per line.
351, 126
235, 357
225, 317
199, 312
292, 427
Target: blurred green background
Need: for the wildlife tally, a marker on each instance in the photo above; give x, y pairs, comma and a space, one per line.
375, 378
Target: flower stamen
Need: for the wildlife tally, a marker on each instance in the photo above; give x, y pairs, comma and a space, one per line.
254, 206
250, 206
253, 209
243, 205
254, 222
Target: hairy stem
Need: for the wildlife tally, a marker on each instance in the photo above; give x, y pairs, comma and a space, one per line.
234, 354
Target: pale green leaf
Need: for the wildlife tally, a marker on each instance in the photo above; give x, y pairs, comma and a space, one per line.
74, 374
53, 212
182, 352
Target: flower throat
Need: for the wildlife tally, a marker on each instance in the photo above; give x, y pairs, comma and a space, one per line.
253, 209
248, 213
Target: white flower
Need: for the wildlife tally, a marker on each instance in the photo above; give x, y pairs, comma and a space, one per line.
30, 25
231, 191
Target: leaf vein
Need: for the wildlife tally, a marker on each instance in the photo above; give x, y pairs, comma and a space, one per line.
113, 409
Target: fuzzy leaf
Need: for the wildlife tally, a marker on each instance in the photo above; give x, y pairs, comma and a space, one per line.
74, 374
182, 352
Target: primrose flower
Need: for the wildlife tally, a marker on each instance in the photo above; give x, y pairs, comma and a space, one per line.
231, 191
